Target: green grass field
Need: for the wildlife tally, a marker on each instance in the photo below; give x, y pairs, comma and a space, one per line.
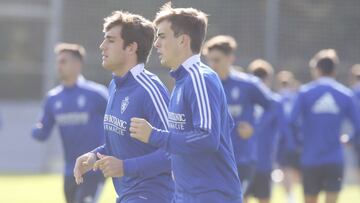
48, 189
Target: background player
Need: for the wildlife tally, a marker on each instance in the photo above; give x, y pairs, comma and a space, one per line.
77, 107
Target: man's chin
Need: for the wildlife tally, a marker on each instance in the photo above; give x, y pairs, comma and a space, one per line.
164, 63
106, 66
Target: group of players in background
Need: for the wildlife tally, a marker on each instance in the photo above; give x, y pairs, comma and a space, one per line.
219, 134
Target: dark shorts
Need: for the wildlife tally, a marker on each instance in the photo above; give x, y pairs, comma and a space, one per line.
290, 160
246, 174
322, 178
88, 191
260, 186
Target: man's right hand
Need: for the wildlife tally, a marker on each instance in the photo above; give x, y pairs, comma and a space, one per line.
83, 164
245, 130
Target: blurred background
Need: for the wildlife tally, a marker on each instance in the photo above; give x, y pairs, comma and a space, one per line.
287, 33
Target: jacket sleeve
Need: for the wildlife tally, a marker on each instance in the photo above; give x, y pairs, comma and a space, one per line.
156, 113
353, 113
260, 94
204, 97
42, 130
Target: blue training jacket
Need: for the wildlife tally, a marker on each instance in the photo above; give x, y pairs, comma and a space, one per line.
140, 94
199, 136
244, 91
78, 111
319, 111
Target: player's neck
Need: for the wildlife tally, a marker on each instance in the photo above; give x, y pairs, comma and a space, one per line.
182, 57
224, 73
266, 81
331, 76
70, 81
125, 68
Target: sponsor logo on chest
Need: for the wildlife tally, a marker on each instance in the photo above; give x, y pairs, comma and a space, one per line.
177, 121
114, 124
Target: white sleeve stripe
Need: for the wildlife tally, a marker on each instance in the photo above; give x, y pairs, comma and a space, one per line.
162, 102
154, 100
202, 98
206, 97
158, 97
197, 98
161, 112
161, 109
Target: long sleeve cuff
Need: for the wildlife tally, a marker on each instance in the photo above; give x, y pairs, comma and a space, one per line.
158, 138
101, 150
131, 167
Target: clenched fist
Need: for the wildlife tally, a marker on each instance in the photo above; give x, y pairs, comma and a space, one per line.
83, 164
140, 129
110, 166
245, 130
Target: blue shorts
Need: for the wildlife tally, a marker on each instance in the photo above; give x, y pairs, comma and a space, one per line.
322, 178
260, 186
206, 197
246, 174
88, 191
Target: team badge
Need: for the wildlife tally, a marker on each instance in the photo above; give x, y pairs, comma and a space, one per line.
81, 100
58, 105
124, 104
235, 93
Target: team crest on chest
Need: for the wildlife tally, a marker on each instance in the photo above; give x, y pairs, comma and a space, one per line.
235, 93
81, 101
124, 104
58, 105
178, 96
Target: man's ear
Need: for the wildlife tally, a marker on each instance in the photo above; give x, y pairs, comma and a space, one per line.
184, 40
132, 47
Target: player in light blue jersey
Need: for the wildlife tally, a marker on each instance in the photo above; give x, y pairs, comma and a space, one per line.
319, 110
141, 172
243, 91
199, 136
77, 108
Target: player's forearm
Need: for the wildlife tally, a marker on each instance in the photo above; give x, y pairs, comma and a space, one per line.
148, 165
196, 141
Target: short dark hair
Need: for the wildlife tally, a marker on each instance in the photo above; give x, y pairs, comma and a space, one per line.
187, 21
261, 68
223, 43
76, 50
325, 60
135, 28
